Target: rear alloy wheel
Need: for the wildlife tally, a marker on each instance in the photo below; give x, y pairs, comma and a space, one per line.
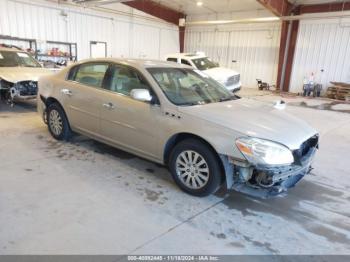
195, 168
57, 122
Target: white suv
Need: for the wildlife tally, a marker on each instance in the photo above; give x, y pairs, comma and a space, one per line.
227, 77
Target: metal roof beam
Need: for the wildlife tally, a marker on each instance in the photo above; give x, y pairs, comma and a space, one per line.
158, 10
277, 7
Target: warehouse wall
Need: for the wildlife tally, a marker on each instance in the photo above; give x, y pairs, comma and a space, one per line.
322, 45
127, 33
255, 47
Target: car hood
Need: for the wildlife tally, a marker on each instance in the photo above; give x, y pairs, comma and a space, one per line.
17, 74
256, 119
220, 73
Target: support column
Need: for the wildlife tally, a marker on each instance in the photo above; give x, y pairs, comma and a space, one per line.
282, 8
290, 56
182, 31
288, 44
282, 54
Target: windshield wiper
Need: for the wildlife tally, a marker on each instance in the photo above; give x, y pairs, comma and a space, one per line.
29, 66
224, 99
233, 97
193, 103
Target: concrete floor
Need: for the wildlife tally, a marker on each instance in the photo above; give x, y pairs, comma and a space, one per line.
84, 197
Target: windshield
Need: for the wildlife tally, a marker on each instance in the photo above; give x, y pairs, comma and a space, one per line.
204, 63
14, 59
189, 87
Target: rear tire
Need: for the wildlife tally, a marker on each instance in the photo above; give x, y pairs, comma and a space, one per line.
57, 122
195, 168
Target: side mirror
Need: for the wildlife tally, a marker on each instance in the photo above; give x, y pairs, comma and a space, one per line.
141, 95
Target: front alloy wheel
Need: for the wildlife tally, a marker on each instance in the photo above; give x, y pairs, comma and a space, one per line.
195, 167
192, 169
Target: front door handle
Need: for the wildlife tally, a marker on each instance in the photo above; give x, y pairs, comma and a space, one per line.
66, 92
109, 106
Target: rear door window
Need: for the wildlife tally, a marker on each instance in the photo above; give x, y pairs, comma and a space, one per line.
91, 74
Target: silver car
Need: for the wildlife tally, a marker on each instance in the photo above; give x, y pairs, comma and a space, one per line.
175, 115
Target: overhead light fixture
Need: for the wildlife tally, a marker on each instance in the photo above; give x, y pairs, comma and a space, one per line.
98, 2
331, 15
237, 21
341, 14
199, 3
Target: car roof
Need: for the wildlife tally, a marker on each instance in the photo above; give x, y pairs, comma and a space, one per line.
186, 55
138, 63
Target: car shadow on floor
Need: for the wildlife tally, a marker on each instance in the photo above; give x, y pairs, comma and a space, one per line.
305, 190
299, 206
19, 107
135, 162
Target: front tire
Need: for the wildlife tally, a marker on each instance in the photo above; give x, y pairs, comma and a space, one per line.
195, 168
57, 122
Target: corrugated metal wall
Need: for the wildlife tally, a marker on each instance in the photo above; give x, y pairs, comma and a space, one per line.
322, 45
255, 47
125, 36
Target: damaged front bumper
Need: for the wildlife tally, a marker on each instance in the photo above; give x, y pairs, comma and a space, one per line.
269, 181
20, 91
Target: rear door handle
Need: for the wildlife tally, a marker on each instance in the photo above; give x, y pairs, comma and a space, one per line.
66, 92
109, 106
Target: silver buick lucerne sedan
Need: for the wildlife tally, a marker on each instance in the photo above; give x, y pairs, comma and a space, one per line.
175, 115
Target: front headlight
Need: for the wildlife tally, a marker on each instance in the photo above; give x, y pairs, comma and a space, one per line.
259, 151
